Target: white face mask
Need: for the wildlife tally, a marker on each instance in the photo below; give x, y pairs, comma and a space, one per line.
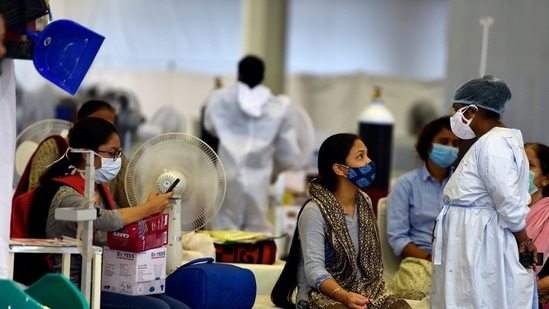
108, 170
460, 124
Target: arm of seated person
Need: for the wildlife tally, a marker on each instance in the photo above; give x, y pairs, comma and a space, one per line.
543, 285
412, 250
156, 203
332, 289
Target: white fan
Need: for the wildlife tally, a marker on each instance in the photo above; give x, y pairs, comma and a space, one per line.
166, 119
157, 163
28, 140
169, 119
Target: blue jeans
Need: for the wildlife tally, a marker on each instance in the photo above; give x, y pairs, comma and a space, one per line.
110, 300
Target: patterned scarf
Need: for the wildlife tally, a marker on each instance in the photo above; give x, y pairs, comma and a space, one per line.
344, 270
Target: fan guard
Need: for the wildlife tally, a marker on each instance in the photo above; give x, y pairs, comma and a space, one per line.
28, 140
169, 119
184, 155
166, 119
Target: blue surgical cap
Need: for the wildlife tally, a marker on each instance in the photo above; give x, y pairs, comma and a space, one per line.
488, 92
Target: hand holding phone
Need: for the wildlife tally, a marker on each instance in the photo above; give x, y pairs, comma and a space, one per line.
527, 259
172, 186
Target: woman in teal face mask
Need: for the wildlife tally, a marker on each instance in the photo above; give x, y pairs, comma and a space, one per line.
537, 220
413, 204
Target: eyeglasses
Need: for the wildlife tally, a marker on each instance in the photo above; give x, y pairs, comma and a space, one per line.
115, 155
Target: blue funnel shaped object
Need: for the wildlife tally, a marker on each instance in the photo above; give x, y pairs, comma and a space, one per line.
64, 51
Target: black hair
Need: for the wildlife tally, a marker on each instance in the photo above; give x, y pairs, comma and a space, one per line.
283, 290
490, 114
91, 106
542, 153
334, 149
87, 133
428, 133
251, 70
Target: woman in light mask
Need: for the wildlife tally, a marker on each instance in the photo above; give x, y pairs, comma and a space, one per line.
62, 185
413, 204
481, 229
538, 158
537, 220
335, 256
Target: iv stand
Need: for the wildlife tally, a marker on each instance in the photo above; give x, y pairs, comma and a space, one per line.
85, 216
486, 22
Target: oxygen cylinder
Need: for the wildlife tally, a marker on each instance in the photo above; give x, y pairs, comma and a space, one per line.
375, 125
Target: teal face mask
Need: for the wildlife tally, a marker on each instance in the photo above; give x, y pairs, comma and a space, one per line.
442, 155
532, 188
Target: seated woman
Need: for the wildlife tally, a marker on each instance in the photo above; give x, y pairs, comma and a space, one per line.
53, 147
537, 220
414, 203
335, 256
101, 137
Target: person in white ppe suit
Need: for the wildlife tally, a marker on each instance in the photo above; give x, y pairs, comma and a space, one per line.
480, 231
257, 140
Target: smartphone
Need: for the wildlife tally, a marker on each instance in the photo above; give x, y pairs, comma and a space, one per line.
172, 186
527, 259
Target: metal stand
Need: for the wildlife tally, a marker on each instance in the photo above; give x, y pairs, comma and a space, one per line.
175, 245
66, 248
85, 217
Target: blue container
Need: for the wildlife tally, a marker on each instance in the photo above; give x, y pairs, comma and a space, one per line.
64, 51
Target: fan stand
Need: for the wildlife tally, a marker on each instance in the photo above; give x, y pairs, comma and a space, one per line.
175, 244
85, 216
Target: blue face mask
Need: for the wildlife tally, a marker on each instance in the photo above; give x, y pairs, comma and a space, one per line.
363, 176
442, 155
532, 188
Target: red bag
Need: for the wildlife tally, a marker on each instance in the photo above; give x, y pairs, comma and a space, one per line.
261, 252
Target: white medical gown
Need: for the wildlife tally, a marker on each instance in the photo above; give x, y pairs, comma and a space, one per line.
475, 255
256, 139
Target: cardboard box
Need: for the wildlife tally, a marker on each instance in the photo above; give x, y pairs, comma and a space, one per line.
146, 234
134, 273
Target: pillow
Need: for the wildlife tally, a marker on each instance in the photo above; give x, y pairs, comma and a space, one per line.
412, 280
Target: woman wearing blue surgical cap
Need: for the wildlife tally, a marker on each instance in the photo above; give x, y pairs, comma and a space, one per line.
413, 204
481, 229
